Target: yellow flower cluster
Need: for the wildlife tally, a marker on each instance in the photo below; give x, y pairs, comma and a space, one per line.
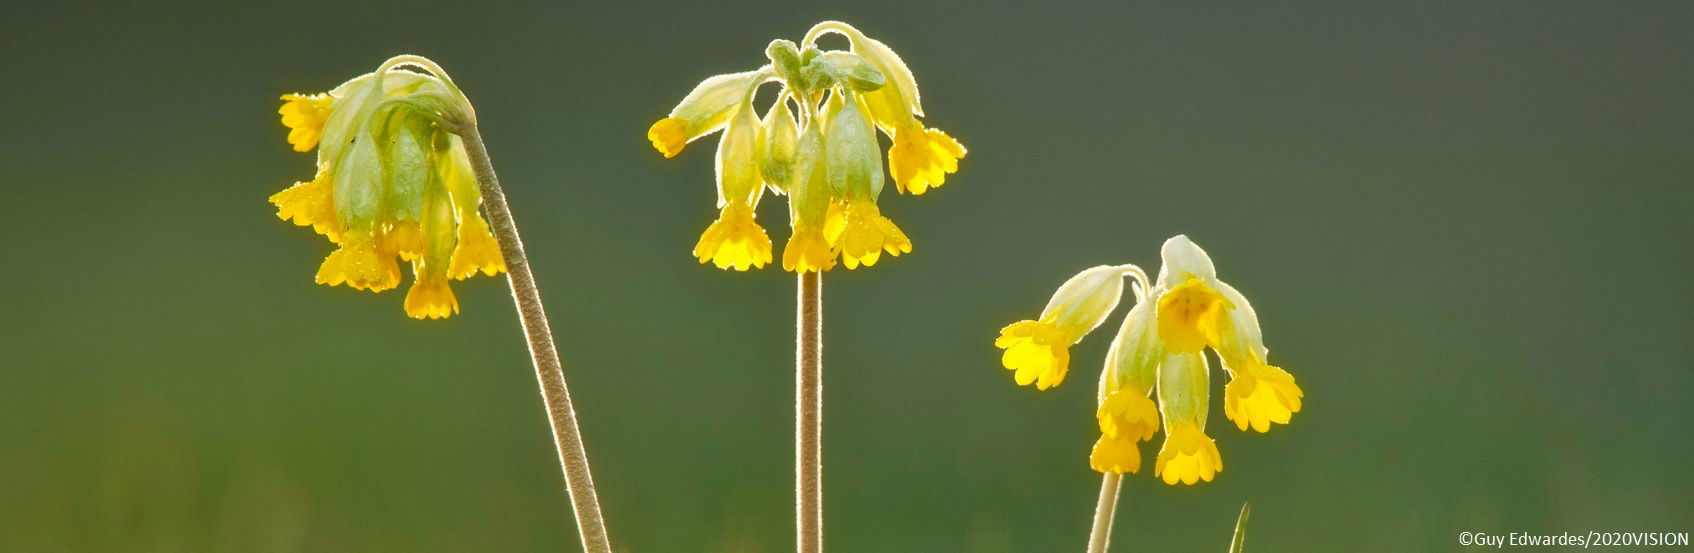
393, 184
1159, 352
822, 152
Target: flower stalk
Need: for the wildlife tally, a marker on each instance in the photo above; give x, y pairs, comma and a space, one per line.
1101, 534
561, 416
808, 414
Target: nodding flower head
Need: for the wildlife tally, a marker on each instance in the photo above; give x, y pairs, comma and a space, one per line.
393, 183
816, 144
1156, 373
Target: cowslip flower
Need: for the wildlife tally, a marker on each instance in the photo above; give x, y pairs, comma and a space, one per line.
816, 144
393, 184
1038, 351
1156, 373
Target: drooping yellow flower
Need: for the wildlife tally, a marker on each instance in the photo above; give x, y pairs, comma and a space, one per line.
357, 265
304, 115
1259, 394
477, 250
863, 234
816, 144
310, 203
1192, 316
705, 110
734, 240
921, 158
1126, 417
430, 296
393, 184
1187, 456
1039, 350
669, 136
807, 251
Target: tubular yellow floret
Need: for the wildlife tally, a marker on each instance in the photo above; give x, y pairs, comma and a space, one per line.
404, 239
669, 136
1117, 454
807, 251
476, 250
862, 234
431, 298
921, 158
1037, 351
735, 240
304, 115
1259, 395
1188, 456
358, 265
1192, 316
311, 204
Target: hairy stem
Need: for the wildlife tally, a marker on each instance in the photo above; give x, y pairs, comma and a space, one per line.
808, 414
1103, 511
579, 484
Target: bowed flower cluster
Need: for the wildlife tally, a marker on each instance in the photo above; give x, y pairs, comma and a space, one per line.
393, 184
1159, 348
817, 144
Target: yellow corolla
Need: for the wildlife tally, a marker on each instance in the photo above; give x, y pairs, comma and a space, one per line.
1126, 418
862, 234
392, 184
734, 240
1259, 394
304, 115
1187, 456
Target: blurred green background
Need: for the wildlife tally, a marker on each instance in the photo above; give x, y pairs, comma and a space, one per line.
1464, 225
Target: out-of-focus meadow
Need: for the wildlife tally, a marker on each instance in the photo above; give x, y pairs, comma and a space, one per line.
1464, 227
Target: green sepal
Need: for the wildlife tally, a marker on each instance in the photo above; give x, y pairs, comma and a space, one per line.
851, 152
778, 137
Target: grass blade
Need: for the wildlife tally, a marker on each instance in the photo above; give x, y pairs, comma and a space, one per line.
1240, 528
